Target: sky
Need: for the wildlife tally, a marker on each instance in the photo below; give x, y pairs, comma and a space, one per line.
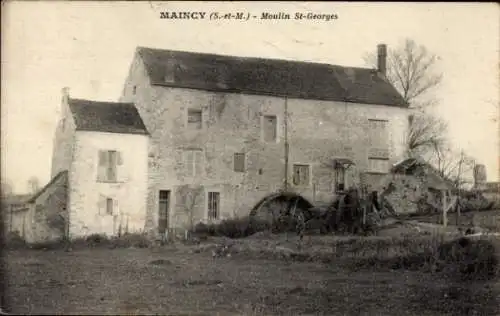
88, 47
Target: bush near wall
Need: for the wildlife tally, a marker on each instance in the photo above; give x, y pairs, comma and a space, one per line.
91, 241
236, 227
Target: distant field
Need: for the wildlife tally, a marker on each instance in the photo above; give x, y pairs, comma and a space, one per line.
125, 281
487, 219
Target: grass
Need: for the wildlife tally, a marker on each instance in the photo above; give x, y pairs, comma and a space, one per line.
181, 280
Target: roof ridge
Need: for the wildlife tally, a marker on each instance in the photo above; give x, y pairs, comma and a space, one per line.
97, 101
163, 50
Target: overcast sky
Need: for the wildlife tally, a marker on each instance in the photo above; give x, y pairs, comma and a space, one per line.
88, 46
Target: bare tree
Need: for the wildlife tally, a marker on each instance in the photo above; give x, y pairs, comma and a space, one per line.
411, 68
189, 199
427, 133
33, 185
455, 166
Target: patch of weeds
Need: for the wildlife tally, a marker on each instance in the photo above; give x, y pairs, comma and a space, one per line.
160, 262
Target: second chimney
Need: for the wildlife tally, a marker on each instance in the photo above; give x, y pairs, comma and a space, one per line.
382, 58
65, 94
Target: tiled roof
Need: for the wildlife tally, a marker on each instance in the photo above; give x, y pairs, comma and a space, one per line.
109, 117
285, 78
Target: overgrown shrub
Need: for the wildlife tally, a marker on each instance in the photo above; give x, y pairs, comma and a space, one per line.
233, 227
95, 240
462, 258
92, 241
131, 241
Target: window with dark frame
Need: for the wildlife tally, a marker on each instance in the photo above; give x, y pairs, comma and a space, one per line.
213, 205
340, 178
270, 128
301, 175
239, 162
194, 119
109, 206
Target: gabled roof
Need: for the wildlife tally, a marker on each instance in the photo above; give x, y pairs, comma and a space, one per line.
418, 167
111, 117
285, 78
61, 174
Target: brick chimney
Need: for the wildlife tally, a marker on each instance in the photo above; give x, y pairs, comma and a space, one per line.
382, 58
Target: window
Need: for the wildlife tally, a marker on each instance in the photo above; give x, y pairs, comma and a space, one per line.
134, 90
109, 206
379, 139
301, 175
213, 205
194, 119
270, 128
239, 162
340, 179
378, 165
193, 161
108, 162
411, 119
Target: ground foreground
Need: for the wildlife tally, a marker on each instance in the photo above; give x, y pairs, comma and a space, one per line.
178, 280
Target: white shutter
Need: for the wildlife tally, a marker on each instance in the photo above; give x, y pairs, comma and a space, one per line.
120, 170
102, 165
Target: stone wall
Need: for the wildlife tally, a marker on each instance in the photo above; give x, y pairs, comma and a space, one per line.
317, 132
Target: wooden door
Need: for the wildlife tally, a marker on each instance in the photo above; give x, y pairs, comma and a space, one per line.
163, 210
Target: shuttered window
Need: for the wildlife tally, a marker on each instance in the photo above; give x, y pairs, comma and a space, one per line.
239, 162
107, 205
193, 162
108, 162
379, 139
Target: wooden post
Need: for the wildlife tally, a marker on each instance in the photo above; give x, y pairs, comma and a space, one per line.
364, 213
445, 209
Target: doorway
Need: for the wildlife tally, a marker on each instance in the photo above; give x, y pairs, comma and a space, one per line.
163, 211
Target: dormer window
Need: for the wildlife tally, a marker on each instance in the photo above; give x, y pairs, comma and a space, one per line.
170, 71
